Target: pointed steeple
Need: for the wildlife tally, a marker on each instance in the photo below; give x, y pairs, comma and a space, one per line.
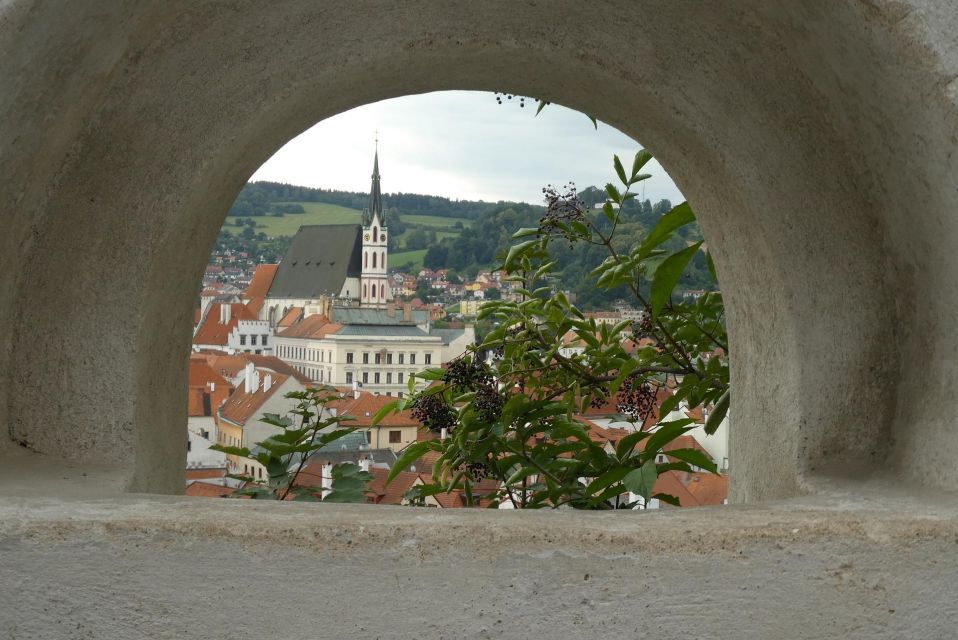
375, 195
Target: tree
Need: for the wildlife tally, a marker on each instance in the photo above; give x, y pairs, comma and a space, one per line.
436, 257
493, 294
515, 423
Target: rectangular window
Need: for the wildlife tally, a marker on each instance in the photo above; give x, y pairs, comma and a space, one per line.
365, 377
428, 358
349, 377
243, 339
400, 377
389, 378
376, 378
412, 358
264, 336
365, 358
378, 358
349, 358
320, 356
329, 356
395, 436
252, 339
389, 358
401, 357
399, 394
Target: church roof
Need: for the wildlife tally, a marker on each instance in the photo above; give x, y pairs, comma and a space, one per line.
318, 262
375, 197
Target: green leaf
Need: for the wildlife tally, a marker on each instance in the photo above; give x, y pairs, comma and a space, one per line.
640, 160
515, 251
620, 170
242, 452
542, 105
667, 276
665, 434
525, 232
718, 413
668, 499
694, 457
387, 408
680, 215
613, 193
627, 444
641, 481
408, 456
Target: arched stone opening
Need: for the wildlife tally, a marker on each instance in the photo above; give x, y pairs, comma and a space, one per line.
815, 142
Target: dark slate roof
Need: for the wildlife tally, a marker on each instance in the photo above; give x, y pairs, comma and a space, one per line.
318, 262
400, 330
448, 335
365, 315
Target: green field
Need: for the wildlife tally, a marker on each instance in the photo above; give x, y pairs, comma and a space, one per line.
289, 224
414, 258
321, 213
434, 221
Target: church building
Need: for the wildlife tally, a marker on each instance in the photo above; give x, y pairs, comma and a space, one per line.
345, 263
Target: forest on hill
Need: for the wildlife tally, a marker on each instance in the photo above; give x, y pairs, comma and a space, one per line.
412, 220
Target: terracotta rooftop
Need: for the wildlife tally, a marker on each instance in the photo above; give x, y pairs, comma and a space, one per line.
242, 406
262, 279
212, 331
207, 490
292, 317
365, 408
315, 327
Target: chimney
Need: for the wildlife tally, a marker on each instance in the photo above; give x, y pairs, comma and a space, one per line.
212, 387
226, 310
444, 434
364, 464
407, 312
248, 378
355, 390
327, 478
267, 382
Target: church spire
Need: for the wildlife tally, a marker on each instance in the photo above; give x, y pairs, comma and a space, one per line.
375, 195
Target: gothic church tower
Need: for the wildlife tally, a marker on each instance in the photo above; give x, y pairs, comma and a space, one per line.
374, 285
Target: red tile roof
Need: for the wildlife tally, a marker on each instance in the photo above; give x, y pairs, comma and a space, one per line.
207, 490
231, 365
205, 383
315, 327
292, 317
212, 331
204, 474
243, 406
261, 282
365, 408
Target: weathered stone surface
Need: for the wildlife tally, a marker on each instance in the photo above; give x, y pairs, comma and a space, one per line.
816, 142
176, 567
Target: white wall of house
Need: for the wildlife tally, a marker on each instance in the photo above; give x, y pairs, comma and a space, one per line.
251, 336
199, 454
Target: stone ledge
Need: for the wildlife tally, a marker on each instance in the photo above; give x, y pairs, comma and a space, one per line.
173, 567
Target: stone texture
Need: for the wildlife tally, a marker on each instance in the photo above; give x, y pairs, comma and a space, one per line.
174, 568
816, 142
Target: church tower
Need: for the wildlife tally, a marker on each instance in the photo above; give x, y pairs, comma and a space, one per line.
374, 283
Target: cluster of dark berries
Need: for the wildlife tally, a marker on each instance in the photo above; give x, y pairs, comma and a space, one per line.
433, 413
562, 206
510, 96
598, 399
467, 373
488, 403
643, 327
636, 398
478, 470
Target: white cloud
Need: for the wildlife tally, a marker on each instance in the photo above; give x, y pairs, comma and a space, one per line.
459, 144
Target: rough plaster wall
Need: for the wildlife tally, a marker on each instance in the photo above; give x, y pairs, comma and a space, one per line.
165, 568
814, 140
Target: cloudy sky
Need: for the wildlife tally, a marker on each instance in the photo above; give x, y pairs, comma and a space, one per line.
462, 145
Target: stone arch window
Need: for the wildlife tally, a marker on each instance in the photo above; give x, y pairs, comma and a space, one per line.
383, 261
374, 260
375, 234
365, 295
365, 259
382, 292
